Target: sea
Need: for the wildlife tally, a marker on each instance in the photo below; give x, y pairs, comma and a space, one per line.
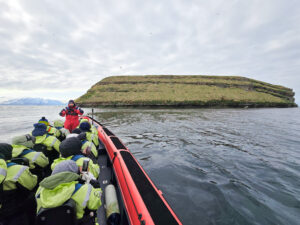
214, 166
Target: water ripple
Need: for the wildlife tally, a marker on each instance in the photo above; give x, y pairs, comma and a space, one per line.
214, 166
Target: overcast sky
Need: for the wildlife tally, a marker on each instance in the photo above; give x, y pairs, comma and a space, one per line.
59, 49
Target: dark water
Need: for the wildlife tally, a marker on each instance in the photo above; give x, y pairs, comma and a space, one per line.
214, 166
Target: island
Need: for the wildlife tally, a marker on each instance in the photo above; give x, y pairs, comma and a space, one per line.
186, 91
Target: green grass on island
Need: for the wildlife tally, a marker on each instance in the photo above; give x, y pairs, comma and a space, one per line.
190, 91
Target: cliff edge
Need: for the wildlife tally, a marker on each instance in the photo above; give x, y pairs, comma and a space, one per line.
189, 91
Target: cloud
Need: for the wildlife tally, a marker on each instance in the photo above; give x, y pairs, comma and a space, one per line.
65, 46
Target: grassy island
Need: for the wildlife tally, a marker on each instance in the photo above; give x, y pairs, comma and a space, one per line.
186, 91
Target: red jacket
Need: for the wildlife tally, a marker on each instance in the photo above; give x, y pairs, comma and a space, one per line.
71, 113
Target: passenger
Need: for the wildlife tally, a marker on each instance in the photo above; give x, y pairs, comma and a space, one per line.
71, 149
71, 112
90, 135
59, 125
64, 184
22, 147
3, 172
88, 148
45, 143
18, 206
50, 129
3, 169
76, 131
93, 128
95, 134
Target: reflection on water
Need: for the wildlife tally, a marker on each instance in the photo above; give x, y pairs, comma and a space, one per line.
214, 166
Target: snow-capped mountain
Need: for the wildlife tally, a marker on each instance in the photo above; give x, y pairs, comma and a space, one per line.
31, 101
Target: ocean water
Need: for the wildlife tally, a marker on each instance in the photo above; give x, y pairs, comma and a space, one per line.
214, 166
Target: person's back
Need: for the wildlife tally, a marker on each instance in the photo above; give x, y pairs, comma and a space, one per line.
90, 135
22, 147
59, 125
70, 149
53, 131
88, 148
3, 169
64, 184
93, 128
79, 160
71, 112
18, 175
50, 129
18, 200
3, 172
44, 142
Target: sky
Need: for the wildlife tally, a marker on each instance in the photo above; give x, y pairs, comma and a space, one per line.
59, 49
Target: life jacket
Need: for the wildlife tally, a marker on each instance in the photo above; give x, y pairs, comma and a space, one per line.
79, 159
50, 195
91, 145
3, 172
63, 133
53, 131
91, 136
93, 128
71, 111
16, 188
35, 158
49, 145
14, 172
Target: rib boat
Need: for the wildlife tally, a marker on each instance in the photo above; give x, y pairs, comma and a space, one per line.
139, 201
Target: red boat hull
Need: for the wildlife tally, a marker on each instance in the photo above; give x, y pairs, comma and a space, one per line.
144, 203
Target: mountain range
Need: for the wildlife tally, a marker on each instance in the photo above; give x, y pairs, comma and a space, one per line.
31, 101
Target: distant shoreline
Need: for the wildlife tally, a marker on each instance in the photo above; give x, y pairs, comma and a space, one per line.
27, 105
237, 105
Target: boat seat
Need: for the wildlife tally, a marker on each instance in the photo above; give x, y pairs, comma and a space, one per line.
62, 215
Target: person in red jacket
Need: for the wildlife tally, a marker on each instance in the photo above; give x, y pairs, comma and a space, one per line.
71, 112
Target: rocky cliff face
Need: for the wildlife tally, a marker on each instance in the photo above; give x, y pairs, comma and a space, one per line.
198, 91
